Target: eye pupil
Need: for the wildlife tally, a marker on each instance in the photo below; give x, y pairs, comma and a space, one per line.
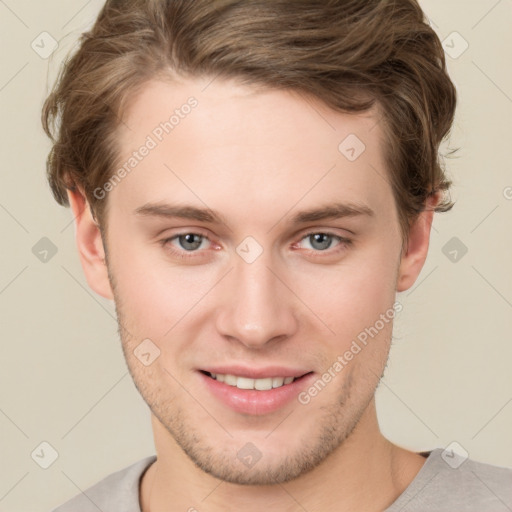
190, 241
320, 241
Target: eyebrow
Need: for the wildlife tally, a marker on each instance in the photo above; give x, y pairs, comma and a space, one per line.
329, 211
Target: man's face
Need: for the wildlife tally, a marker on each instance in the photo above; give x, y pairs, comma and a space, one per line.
261, 289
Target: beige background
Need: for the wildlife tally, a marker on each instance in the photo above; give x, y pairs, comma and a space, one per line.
63, 378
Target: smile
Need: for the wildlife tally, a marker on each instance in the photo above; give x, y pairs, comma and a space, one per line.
247, 383
255, 391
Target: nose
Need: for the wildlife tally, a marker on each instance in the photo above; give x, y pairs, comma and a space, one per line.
257, 308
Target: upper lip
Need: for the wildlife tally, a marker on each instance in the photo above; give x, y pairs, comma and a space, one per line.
256, 373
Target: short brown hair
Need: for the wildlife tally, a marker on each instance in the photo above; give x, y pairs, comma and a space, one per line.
347, 53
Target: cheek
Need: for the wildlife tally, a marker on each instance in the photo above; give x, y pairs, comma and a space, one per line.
156, 293
352, 295
153, 292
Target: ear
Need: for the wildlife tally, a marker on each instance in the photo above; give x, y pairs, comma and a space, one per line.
414, 255
90, 245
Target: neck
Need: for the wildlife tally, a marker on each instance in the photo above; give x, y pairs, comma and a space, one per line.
365, 473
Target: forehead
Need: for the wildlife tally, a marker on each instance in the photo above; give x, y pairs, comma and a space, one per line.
231, 146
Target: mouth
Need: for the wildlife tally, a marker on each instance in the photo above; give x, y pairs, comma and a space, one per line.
255, 393
262, 384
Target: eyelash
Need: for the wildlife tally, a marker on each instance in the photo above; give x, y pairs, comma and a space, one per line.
343, 244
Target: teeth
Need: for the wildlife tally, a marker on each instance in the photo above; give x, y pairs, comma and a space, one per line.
259, 384
263, 384
277, 382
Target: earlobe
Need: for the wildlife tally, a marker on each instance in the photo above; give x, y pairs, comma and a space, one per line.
90, 245
415, 254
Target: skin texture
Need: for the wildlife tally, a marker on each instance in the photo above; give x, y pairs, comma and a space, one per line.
257, 157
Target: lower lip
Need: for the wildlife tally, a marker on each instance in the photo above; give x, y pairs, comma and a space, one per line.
255, 402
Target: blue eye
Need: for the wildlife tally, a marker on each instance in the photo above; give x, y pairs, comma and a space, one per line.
197, 247
320, 241
190, 241
189, 246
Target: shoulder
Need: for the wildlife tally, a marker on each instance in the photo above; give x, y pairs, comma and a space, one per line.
448, 482
118, 492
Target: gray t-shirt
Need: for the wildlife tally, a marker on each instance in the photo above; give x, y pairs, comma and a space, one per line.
440, 486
